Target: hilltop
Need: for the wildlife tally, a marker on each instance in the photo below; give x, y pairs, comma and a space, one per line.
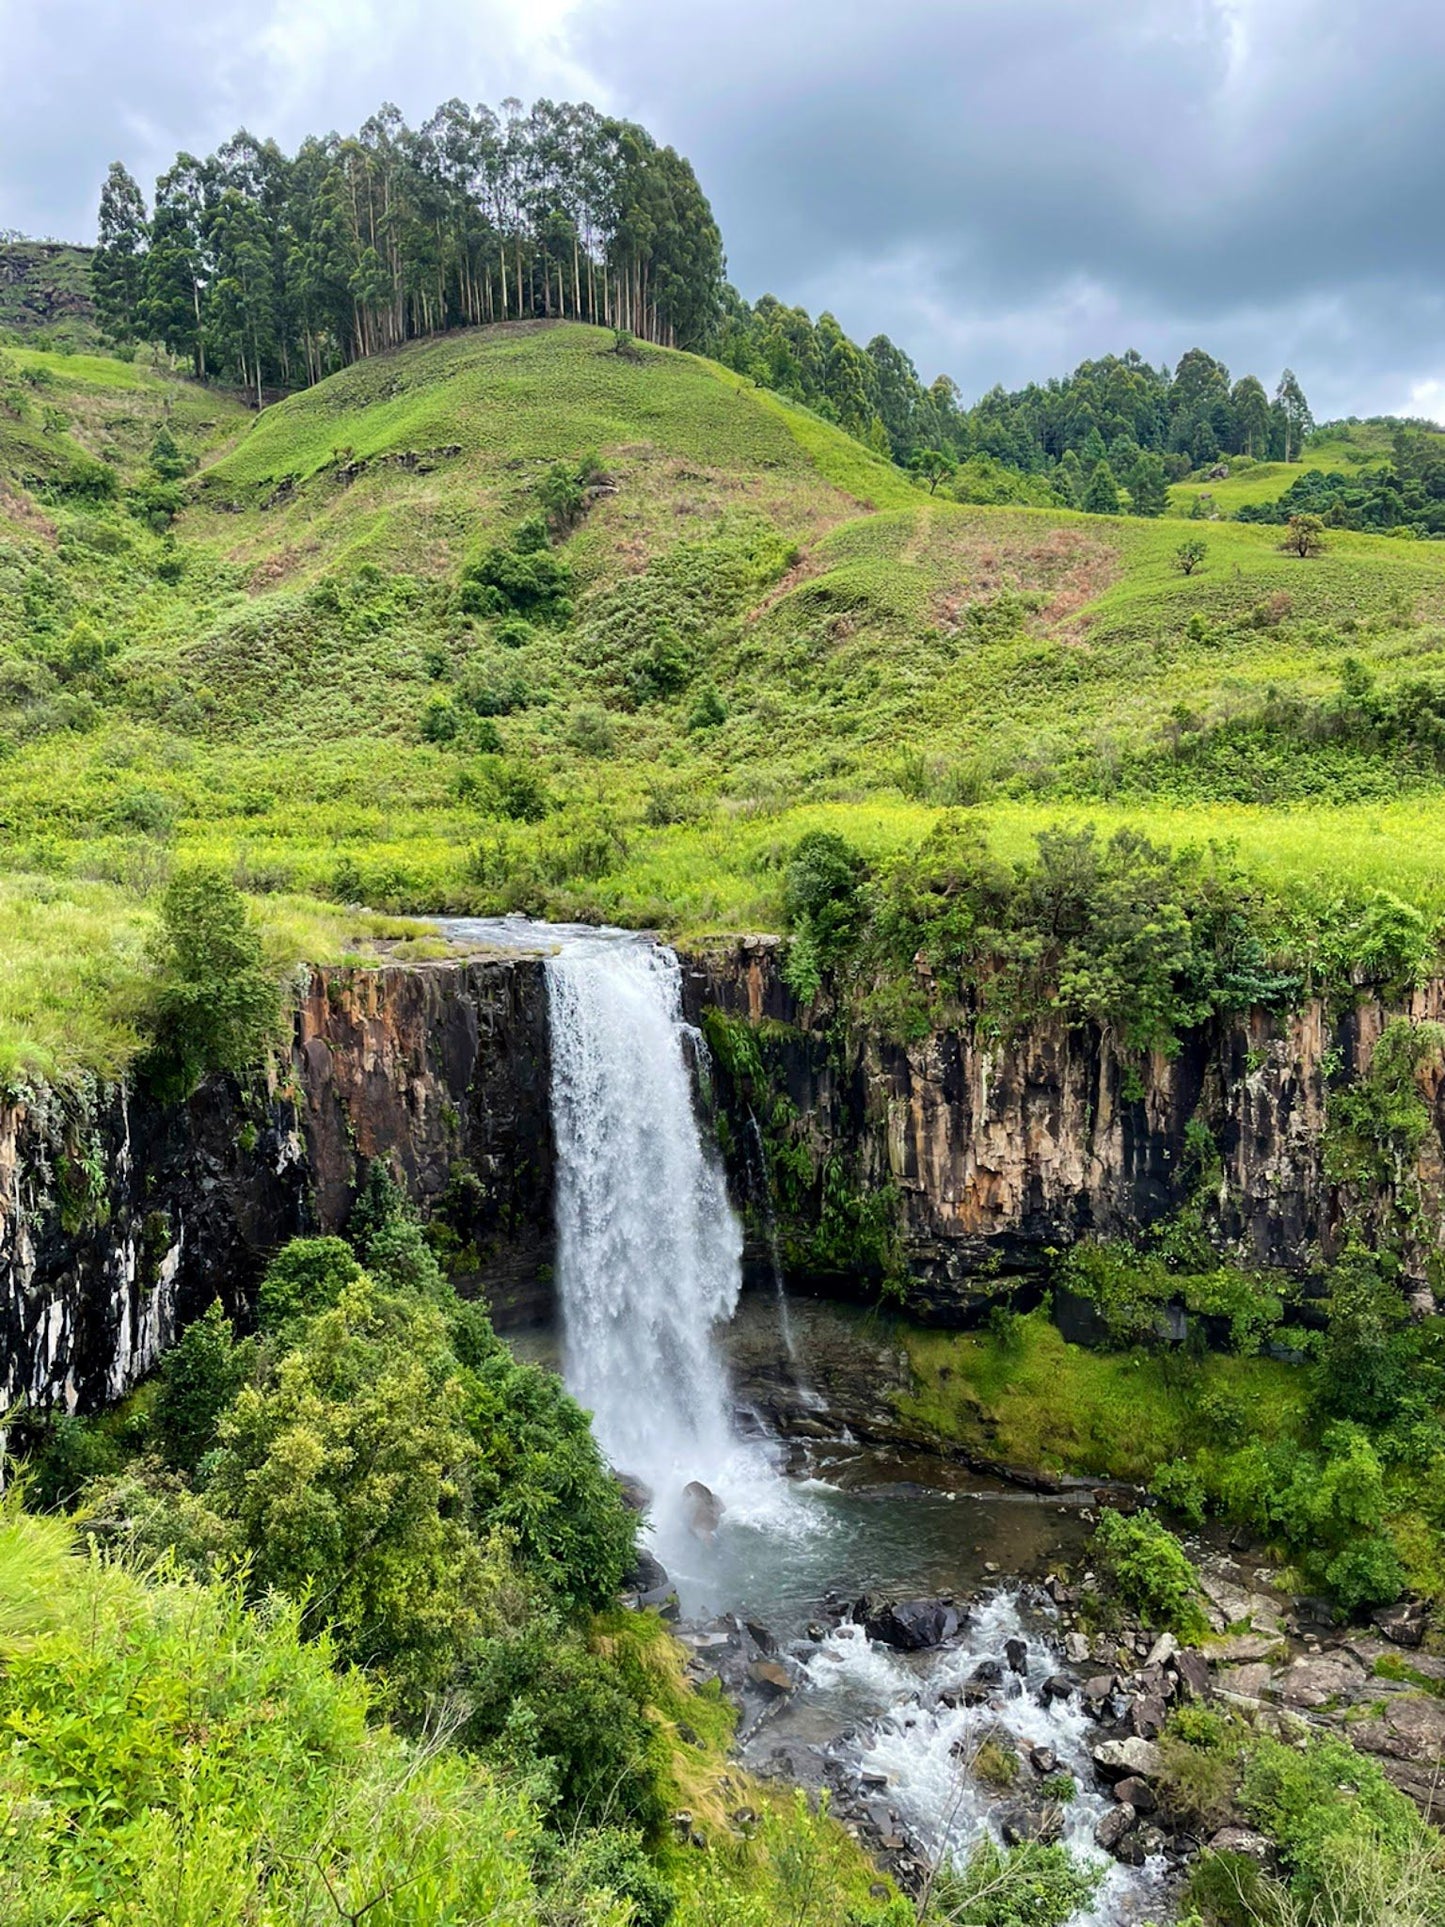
511, 618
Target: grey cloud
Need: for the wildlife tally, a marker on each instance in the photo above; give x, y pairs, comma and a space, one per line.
1003, 186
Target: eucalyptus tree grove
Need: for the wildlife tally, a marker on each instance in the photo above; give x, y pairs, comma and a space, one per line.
270, 269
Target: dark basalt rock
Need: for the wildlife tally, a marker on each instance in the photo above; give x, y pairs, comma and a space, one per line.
909, 1625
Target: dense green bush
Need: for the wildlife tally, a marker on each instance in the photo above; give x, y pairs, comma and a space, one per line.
215, 1005
1148, 1570
529, 581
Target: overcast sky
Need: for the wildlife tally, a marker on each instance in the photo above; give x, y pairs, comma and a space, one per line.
1003, 186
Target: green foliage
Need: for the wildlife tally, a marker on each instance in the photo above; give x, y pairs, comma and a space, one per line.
306, 1276
823, 905
1149, 1571
173, 1757
1189, 556
1365, 1361
1305, 536
215, 1006
1026, 1886
520, 581
199, 1379
1324, 1800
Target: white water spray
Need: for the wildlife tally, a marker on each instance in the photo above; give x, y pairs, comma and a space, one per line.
648, 1248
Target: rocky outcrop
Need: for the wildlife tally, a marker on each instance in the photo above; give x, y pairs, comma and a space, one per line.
997, 1153
120, 1220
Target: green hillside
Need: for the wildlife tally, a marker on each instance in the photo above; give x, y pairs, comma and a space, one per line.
512, 619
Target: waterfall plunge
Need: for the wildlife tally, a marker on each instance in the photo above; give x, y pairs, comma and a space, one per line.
648, 1248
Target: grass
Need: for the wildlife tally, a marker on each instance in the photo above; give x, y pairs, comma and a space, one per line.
1353, 451
870, 656
1039, 1401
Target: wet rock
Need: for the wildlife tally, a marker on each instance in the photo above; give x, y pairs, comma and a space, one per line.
1242, 1840
702, 1509
761, 1638
663, 1601
1016, 1652
1056, 1687
648, 1574
908, 1625
1043, 1760
1117, 1759
1135, 1793
1114, 1826
988, 1672
1402, 1625
1040, 1825
1146, 1717
636, 1496
1131, 1850
772, 1677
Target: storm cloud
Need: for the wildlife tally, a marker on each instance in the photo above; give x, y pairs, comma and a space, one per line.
1003, 186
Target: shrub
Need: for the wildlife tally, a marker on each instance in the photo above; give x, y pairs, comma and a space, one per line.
1027, 1886
1179, 1489
306, 1276
1149, 1571
198, 1380
823, 903
439, 720
1305, 536
1190, 555
524, 581
215, 1005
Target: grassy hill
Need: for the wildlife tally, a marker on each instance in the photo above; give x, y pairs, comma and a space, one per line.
309, 673
45, 294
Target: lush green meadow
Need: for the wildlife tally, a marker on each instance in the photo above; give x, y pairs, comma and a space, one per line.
293, 660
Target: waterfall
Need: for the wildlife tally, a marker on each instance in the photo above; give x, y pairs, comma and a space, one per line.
648, 1247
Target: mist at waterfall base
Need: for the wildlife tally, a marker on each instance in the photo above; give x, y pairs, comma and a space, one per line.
649, 1279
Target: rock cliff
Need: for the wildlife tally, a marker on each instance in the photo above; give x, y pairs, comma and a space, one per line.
995, 1153
120, 1221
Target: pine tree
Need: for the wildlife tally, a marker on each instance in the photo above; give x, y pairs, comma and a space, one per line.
1102, 495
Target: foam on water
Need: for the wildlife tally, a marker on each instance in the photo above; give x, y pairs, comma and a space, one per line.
924, 1746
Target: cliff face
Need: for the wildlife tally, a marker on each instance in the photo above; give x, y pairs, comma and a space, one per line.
951, 1159
997, 1153
119, 1221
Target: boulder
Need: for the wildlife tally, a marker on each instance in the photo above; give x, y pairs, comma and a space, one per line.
1191, 1669
1246, 1682
1163, 1650
702, 1509
1056, 1687
648, 1574
1016, 1652
772, 1677
1402, 1625
1241, 1648
1318, 1680
1242, 1840
1040, 1825
636, 1496
1135, 1793
1117, 1759
1113, 1826
908, 1625
761, 1638
1146, 1717
1044, 1760
1076, 1649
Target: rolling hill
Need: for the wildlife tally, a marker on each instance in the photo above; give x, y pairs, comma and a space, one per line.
331, 658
